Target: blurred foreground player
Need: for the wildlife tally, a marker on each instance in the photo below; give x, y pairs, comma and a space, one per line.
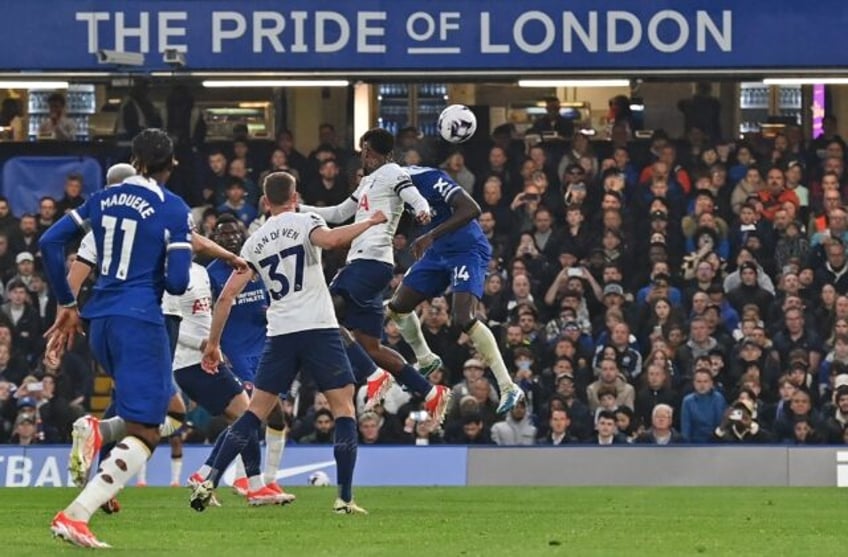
303, 335
143, 235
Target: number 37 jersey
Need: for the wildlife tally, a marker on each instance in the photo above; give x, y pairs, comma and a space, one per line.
290, 266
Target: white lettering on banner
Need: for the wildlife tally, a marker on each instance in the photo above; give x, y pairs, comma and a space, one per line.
49, 474
486, 46
219, 34
518, 32
571, 25
142, 33
447, 23
723, 38
321, 19
18, 471
429, 26
278, 23
615, 16
166, 30
92, 18
365, 30
682, 31
299, 19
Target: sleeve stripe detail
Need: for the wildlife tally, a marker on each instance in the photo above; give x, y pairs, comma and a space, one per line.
85, 261
403, 185
451, 192
76, 217
179, 245
355, 199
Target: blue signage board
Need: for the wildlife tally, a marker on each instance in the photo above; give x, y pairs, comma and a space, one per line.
437, 35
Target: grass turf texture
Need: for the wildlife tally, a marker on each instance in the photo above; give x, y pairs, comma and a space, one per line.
452, 521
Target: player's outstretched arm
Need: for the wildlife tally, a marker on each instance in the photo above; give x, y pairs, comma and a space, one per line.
212, 352
412, 197
464, 210
203, 245
52, 245
335, 214
342, 236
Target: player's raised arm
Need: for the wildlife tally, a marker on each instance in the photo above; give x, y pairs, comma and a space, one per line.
207, 247
212, 352
178, 252
335, 214
412, 197
463, 210
342, 236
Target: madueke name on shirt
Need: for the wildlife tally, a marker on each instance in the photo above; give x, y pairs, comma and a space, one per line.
128, 200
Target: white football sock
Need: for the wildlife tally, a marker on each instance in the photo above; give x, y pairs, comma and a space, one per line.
204, 471
142, 474
240, 471
275, 443
410, 329
176, 470
125, 460
485, 343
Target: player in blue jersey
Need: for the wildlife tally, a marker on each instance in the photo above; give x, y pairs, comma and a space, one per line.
242, 341
140, 230
453, 253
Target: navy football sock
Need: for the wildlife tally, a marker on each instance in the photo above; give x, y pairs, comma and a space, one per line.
218, 442
239, 436
414, 381
344, 451
251, 456
362, 364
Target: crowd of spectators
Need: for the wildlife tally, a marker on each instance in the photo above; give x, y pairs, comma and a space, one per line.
687, 290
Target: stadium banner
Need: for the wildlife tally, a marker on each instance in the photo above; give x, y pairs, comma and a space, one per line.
438, 35
647, 465
376, 466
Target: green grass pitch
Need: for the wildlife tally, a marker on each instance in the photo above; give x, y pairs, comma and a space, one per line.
444, 522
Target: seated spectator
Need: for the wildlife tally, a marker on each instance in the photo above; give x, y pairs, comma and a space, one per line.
702, 410
657, 390
805, 432
738, 426
322, 433
661, 431
24, 240
73, 196
236, 203
606, 432
516, 429
472, 433
836, 414
610, 376
558, 429
57, 125
239, 169
25, 321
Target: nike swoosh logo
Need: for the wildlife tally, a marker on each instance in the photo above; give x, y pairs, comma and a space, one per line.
284, 473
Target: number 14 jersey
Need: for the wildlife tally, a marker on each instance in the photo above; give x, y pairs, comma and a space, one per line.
290, 266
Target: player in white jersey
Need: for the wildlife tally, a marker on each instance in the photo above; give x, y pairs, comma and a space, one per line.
303, 333
358, 288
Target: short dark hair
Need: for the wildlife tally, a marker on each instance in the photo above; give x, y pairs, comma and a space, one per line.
152, 151
279, 187
74, 177
606, 415
16, 284
380, 140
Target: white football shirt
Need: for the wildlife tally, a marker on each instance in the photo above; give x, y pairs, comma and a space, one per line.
290, 266
195, 305
379, 191
87, 252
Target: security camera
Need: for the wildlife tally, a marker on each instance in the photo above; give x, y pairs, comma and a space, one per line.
117, 58
174, 58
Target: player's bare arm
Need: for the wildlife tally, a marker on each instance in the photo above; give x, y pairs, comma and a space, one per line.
203, 245
464, 210
212, 355
342, 236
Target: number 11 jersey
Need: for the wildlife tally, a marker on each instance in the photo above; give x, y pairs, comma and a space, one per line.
290, 266
134, 225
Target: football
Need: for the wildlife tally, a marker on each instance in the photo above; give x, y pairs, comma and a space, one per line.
319, 478
457, 123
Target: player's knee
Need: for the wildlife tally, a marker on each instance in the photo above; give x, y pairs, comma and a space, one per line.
177, 416
147, 434
276, 419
